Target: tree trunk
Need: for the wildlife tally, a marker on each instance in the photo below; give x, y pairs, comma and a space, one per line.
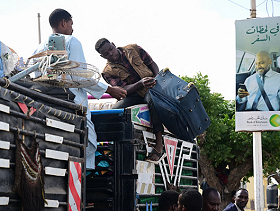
208, 171
237, 173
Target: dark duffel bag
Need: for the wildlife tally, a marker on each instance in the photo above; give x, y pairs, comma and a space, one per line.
179, 106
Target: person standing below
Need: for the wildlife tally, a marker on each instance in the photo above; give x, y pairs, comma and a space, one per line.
132, 68
211, 199
241, 200
61, 23
168, 200
190, 200
265, 77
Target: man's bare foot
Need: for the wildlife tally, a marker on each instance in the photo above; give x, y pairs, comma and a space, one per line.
155, 155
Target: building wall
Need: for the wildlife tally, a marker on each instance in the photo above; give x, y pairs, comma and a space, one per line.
250, 187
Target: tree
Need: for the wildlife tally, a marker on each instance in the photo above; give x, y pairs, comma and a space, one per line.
226, 156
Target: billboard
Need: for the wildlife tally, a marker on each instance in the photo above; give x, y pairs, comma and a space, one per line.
257, 74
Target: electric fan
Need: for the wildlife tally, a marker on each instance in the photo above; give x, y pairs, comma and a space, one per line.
51, 68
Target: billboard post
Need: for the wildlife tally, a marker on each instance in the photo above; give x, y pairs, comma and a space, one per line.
257, 150
258, 175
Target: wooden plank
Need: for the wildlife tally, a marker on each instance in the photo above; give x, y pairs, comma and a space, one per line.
49, 52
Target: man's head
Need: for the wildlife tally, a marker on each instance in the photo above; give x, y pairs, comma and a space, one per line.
190, 200
263, 62
107, 50
241, 198
168, 200
211, 199
61, 22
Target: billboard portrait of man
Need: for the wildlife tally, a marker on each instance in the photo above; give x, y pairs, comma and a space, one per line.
261, 91
257, 74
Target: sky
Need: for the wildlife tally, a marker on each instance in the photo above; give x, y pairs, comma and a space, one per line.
188, 37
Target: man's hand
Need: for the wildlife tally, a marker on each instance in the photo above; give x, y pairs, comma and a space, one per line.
116, 92
148, 82
242, 93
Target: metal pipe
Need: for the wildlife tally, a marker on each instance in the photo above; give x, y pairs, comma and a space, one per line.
253, 11
39, 28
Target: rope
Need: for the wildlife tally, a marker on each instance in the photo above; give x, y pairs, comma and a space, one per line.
45, 63
17, 97
5, 92
7, 82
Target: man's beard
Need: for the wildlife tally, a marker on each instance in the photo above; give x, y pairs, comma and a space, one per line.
264, 72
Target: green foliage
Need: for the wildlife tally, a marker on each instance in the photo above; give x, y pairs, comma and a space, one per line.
271, 152
223, 146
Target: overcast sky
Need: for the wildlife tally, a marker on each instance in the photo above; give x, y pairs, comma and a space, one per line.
186, 36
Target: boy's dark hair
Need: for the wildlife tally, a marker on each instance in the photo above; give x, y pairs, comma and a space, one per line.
167, 199
191, 199
100, 43
207, 192
57, 16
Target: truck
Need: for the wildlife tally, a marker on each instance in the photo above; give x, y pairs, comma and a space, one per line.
122, 179
43, 153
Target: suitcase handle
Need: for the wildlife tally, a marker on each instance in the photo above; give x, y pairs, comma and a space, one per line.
190, 84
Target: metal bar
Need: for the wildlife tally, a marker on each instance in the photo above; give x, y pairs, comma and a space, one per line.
183, 177
42, 136
24, 73
38, 120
